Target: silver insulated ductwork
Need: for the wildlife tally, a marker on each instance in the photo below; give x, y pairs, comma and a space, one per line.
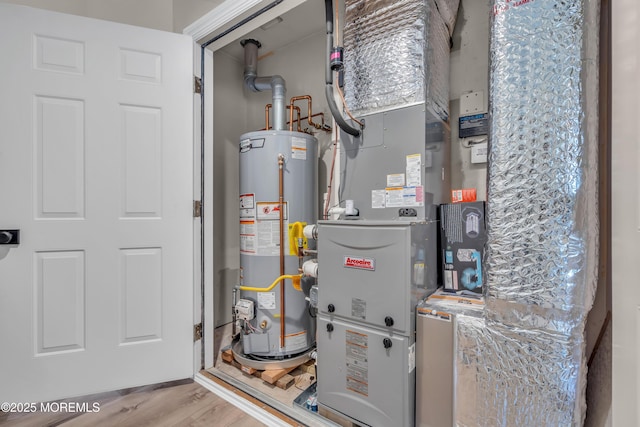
396, 55
525, 363
275, 83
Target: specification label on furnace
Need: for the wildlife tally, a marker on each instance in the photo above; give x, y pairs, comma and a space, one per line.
358, 308
357, 362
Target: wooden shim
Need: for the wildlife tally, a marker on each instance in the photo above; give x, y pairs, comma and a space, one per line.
272, 375
285, 382
248, 370
227, 356
308, 367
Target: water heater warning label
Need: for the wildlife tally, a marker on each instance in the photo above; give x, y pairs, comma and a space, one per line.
260, 226
247, 206
357, 362
296, 341
298, 148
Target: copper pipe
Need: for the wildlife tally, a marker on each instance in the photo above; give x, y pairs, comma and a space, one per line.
281, 218
299, 120
324, 127
291, 122
266, 115
309, 110
266, 118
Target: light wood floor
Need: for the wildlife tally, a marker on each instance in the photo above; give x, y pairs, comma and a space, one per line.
181, 403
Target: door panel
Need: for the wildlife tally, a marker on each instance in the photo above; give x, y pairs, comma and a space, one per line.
96, 169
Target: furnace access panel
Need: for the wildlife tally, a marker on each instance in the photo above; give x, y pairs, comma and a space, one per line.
375, 272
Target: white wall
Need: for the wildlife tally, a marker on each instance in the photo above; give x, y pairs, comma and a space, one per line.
469, 73
157, 14
185, 12
230, 121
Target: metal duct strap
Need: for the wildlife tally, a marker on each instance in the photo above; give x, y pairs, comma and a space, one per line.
396, 54
542, 213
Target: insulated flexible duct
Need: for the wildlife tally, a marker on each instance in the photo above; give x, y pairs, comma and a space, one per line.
524, 364
542, 213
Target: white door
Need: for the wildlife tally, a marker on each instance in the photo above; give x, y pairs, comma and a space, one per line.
625, 182
96, 171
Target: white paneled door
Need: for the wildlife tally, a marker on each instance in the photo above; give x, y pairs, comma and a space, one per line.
96, 170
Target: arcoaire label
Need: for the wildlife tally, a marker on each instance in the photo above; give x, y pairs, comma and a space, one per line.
360, 262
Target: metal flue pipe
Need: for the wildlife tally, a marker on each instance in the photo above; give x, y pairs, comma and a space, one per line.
275, 84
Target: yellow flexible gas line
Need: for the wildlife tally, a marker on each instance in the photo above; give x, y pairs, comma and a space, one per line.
295, 278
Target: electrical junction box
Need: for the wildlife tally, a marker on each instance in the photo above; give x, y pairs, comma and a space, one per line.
244, 309
472, 103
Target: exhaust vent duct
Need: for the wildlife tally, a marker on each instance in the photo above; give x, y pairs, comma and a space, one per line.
275, 84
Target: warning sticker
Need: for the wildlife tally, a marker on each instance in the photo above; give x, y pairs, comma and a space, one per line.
395, 180
357, 362
268, 238
267, 300
248, 228
298, 148
270, 211
414, 170
247, 206
413, 196
248, 237
378, 199
357, 386
394, 197
260, 228
399, 197
296, 341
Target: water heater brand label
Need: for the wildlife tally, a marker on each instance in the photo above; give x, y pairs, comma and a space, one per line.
360, 262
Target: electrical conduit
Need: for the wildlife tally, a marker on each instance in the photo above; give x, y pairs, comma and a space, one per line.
335, 112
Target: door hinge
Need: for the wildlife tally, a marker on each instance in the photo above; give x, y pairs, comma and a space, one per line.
197, 208
197, 84
197, 332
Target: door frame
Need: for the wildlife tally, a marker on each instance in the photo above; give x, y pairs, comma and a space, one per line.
203, 192
210, 33
625, 221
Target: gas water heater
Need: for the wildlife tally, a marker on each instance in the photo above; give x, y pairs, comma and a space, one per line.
275, 164
278, 187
